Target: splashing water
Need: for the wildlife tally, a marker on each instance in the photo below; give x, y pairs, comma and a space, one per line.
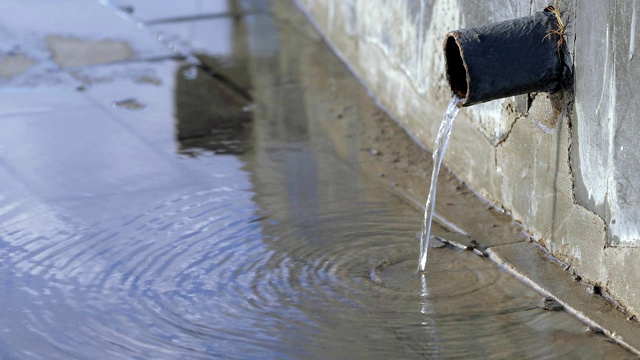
438, 153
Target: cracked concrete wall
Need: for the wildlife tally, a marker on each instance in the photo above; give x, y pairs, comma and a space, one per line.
565, 172
606, 66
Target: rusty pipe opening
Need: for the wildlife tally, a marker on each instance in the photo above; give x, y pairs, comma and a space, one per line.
504, 59
456, 71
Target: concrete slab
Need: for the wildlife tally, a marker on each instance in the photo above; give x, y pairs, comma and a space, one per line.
81, 153
17, 101
41, 73
23, 64
174, 101
15, 64
70, 51
16, 199
537, 268
98, 35
150, 84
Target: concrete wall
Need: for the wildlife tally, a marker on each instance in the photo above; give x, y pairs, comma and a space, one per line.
563, 168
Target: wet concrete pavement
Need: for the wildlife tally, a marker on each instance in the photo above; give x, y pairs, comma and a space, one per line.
134, 136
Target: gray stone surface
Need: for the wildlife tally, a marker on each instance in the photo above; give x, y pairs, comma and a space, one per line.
566, 171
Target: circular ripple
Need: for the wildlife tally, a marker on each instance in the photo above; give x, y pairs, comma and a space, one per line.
199, 276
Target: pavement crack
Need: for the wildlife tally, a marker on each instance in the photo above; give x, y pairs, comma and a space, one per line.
506, 136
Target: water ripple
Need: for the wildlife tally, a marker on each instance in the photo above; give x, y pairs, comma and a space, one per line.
196, 275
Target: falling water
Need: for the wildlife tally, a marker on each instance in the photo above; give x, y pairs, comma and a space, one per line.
438, 153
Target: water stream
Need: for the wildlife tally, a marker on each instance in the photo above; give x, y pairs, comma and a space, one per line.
440, 147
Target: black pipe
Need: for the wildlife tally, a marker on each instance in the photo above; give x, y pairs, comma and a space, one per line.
504, 59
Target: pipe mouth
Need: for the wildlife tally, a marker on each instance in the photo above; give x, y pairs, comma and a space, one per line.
455, 67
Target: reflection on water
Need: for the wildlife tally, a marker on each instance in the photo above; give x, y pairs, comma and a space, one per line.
261, 243
209, 115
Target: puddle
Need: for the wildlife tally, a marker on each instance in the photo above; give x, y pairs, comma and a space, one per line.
211, 226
